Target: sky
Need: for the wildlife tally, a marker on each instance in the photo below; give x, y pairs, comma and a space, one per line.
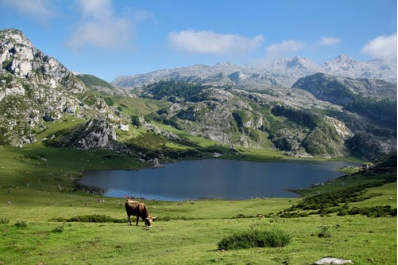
110, 38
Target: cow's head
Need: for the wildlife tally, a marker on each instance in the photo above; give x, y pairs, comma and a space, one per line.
149, 220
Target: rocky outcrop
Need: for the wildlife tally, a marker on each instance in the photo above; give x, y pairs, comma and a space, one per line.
94, 134
36, 88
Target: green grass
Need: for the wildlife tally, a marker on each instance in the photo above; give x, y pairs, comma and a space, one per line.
363, 240
92, 81
137, 106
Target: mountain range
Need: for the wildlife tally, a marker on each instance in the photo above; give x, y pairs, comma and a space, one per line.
287, 105
283, 72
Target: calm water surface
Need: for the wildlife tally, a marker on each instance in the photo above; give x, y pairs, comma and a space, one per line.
224, 179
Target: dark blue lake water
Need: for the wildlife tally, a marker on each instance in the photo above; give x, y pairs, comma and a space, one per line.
223, 179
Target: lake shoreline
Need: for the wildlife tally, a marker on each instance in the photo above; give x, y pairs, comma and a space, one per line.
292, 190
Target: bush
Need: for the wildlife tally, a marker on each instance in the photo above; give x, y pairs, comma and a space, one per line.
4, 221
324, 232
58, 229
255, 238
96, 218
135, 120
21, 224
377, 211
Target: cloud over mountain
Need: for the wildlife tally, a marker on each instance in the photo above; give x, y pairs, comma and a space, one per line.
382, 47
210, 42
283, 48
329, 41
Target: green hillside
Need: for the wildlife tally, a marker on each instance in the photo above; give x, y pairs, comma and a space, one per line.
92, 81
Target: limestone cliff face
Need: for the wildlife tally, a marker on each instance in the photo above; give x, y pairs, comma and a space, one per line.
21, 59
36, 88
94, 134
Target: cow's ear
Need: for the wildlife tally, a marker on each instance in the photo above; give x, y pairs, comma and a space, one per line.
154, 218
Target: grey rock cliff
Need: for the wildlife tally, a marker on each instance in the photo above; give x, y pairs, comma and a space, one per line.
35, 88
94, 134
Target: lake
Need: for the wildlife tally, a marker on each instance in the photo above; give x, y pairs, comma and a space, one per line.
212, 178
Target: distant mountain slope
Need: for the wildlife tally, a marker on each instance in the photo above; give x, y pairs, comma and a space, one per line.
35, 88
279, 73
98, 85
371, 98
345, 66
219, 75
342, 90
292, 120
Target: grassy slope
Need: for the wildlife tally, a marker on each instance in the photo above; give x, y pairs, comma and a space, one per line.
38, 182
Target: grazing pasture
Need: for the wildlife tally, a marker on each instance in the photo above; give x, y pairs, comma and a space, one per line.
38, 203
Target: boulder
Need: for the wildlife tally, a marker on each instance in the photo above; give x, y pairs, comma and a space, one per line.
325, 261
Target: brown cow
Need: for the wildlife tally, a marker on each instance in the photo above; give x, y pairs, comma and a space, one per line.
138, 209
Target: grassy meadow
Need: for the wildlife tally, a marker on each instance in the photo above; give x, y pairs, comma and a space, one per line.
37, 189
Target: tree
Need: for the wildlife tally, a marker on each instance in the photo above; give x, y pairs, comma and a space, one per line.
135, 120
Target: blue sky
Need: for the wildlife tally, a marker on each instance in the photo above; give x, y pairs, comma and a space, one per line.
109, 38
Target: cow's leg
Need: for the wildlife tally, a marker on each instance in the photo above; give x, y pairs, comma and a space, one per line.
137, 220
128, 220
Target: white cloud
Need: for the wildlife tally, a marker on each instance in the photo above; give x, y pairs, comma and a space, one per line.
96, 8
209, 42
101, 27
382, 47
39, 9
283, 48
110, 34
328, 41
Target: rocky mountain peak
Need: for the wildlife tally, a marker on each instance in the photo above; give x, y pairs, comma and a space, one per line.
20, 58
343, 58
36, 88
299, 62
15, 36
342, 61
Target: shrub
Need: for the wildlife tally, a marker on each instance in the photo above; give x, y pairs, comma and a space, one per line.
58, 229
325, 232
4, 221
135, 120
96, 218
255, 238
109, 101
21, 224
377, 211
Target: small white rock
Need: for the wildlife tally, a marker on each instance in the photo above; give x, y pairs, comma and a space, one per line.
326, 261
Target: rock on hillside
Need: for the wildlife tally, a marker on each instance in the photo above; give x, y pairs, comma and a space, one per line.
35, 88
94, 134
